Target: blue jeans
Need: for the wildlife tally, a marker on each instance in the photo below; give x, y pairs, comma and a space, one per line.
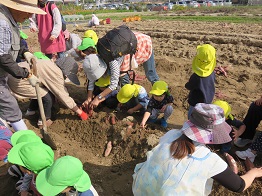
150, 69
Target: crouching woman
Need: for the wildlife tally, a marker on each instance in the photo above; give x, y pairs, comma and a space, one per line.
181, 164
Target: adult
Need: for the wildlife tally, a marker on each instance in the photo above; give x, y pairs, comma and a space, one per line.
72, 42
11, 13
95, 67
51, 76
181, 164
49, 27
251, 120
94, 21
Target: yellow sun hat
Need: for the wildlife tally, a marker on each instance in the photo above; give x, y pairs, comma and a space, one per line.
204, 62
159, 88
103, 81
126, 93
91, 34
226, 107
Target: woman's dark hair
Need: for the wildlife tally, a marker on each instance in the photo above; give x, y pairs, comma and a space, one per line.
90, 50
182, 147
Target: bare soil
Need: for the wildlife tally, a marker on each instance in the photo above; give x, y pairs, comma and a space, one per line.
238, 46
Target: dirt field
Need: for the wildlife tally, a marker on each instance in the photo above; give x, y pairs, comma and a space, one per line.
174, 42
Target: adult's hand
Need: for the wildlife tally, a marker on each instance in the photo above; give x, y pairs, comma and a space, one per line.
94, 103
259, 102
28, 57
52, 38
33, 80
33, 30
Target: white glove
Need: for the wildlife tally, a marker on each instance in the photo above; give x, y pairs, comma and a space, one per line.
33, 80
28, 57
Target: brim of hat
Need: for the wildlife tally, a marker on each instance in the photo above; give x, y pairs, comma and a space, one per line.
157, 92
13, 155
218, 135
98, 73
100, 84
18, 134
122, 99
23, 35
23, 7
83, 47
40, 55
45, 188
203, 72
73, 78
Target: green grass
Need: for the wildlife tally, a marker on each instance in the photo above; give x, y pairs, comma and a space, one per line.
233, 19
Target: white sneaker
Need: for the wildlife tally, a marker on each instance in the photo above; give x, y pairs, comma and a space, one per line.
242, 142
246, 154
15, 171
29, 113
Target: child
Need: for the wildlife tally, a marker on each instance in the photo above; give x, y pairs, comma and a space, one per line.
202, 82
110, 100
91, 34
252, 151
133, 98
72, 41
31, 157
160, 102
66, 175
23, 46
5, 140
232, 122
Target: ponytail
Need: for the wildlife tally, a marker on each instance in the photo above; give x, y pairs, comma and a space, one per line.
182, 147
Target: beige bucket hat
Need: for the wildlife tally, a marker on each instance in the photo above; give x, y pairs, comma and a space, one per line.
29, 6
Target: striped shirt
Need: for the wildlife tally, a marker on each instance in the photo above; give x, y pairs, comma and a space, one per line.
144, 51
114, 72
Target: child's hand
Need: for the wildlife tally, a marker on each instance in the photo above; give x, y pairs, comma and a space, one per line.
163, 108
236, 134
130, 111
143, 124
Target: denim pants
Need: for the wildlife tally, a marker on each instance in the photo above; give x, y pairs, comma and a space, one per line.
48, 101
150, 71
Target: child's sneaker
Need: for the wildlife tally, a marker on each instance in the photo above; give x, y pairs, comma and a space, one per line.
163, 123
246, 154
15, 171
152, 120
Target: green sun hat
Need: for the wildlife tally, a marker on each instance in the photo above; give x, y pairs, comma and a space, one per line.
34, 156
66, 171
40, 55
24, 136
23, 35
86, 43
